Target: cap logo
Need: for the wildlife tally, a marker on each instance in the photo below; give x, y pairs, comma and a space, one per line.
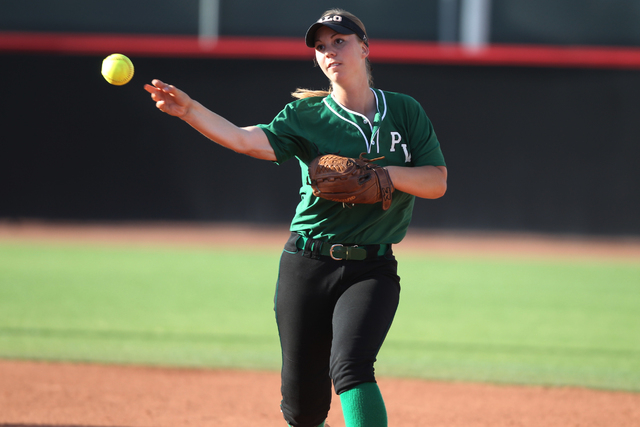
335, 18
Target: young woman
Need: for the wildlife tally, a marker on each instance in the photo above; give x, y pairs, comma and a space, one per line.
333, 313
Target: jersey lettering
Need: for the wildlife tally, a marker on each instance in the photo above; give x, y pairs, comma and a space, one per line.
395, 139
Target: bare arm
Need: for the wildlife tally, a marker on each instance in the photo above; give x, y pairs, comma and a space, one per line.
427, 182
250, 140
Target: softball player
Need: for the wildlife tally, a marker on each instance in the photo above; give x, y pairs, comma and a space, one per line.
337, 289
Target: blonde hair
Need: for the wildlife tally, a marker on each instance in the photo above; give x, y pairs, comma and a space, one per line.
301, 93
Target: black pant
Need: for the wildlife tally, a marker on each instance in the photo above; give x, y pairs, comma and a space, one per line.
332, 317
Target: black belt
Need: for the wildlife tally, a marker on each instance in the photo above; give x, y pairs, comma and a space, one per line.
337, 251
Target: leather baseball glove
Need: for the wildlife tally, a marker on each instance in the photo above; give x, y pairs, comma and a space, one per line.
350, 181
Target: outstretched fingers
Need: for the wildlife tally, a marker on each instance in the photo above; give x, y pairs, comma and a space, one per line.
168, 98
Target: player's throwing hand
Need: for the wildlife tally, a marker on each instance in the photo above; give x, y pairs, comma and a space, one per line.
169, 99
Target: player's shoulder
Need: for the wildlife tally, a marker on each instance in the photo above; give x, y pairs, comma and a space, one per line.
402, 105
304, 109
310, 102
399, 98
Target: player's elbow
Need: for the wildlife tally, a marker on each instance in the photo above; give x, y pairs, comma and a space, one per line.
432, 190
434, 184
437, 191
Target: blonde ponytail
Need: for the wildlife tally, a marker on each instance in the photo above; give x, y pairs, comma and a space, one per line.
301, 93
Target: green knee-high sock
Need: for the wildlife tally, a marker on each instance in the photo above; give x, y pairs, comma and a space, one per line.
363, 406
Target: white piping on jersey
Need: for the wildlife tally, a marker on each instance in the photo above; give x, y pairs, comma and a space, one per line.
375, 137
384, 102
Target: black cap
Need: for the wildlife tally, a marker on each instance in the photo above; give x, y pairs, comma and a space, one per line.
340, 24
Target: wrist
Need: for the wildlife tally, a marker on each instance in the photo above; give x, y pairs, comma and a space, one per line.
189, 112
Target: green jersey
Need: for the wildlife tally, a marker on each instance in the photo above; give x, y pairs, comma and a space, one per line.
401, 132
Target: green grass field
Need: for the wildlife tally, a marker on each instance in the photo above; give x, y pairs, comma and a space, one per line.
548, 322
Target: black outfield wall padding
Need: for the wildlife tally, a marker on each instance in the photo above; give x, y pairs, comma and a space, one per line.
528, 149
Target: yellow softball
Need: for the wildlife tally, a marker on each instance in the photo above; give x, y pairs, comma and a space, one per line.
117, 69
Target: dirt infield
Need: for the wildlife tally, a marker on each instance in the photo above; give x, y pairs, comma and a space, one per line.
43, 394
64, 395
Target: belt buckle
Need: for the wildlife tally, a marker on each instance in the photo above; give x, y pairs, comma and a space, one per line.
348, 252
331, 252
